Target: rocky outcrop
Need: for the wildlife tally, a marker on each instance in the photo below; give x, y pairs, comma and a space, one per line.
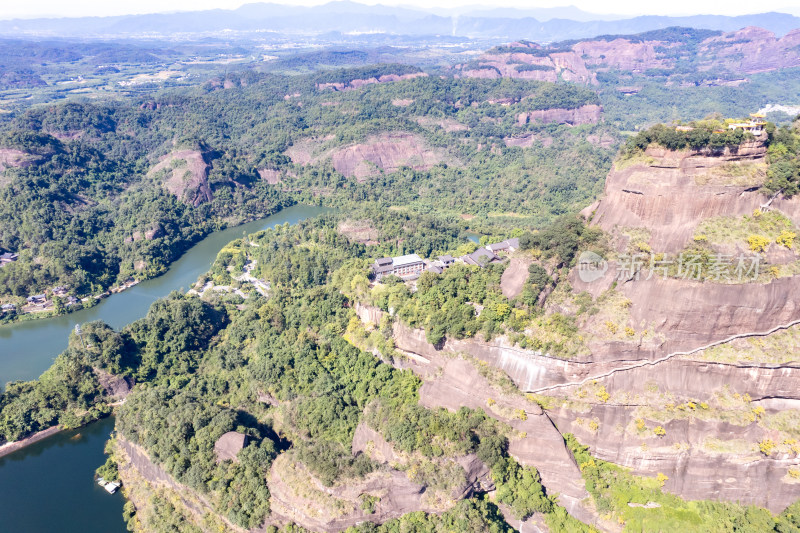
137, 469
694, 469
752, 50
271, 176
670, 193
514, 276
229, 445
586, 114
13, 158
746, 51
453, 382
298, 497
116, 388
367, 440
517, 61
386, 152
358, 83
184, 173
622, 54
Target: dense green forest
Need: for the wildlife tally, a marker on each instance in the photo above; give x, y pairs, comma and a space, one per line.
203, 365
83, 208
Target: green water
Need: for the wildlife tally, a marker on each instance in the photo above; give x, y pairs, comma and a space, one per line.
48, 487
28, 348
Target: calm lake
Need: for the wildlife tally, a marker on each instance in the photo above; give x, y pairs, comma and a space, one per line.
28, 348
49, 486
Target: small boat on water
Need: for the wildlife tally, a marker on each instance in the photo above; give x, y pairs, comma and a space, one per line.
110, 486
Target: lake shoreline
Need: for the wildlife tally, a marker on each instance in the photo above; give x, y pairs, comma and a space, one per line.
11, 447
93, 300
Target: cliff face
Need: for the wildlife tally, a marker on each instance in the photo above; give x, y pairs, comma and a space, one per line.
185, 174
627, 386
561, 65
747, 51
696, 470
670, 193
358, 83
586, 114
685, 455
386, 152
751, 50
621, 54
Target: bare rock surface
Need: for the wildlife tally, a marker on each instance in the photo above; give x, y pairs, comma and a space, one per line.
694, 470
186, 176
514, 276
386, 152
13, 158
585, 114
622, 54
229, 445
271, 176
453, 382
115, 387
666, 194
752, 50
358, 83
367, 440
298, 496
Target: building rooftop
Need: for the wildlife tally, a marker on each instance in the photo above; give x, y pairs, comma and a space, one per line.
383, 269
504, 245
406, 260
383, 261
480, 257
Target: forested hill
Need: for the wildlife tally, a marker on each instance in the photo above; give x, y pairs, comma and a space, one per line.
93, 194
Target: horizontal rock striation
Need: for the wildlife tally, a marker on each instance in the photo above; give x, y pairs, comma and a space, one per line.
695, 472
663, 194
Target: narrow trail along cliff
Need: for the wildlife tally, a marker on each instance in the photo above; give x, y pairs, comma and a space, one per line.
667, 358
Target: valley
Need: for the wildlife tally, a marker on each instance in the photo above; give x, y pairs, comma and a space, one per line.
380, 282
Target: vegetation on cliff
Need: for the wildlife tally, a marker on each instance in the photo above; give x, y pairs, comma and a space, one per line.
613, 489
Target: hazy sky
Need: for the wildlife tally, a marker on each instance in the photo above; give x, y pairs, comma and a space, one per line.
39, 8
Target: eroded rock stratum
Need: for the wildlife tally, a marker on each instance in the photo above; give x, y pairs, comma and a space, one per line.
705, 387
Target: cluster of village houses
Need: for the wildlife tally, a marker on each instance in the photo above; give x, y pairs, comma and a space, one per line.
411, 266
39, 302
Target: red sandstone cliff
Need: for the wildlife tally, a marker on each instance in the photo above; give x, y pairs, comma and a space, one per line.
746, 51
586, 114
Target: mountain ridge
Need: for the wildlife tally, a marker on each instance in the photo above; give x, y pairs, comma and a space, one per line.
354, 17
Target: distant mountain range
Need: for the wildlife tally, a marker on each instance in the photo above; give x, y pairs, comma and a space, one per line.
540, 25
